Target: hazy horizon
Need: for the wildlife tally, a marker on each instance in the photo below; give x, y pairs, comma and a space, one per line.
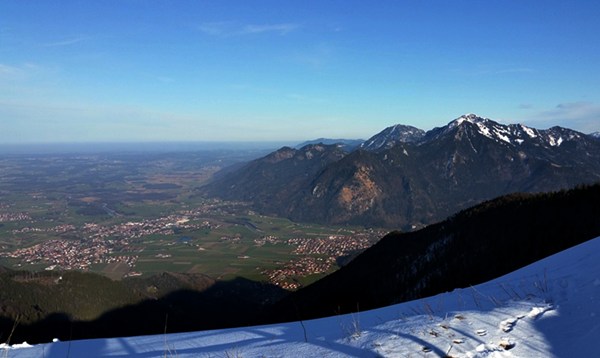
133, 147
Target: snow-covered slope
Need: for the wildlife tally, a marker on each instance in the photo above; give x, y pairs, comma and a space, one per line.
548, 309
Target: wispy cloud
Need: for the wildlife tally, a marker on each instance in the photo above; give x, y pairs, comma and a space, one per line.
216, 28
511, 70
583, 116
66, 42
165, 79
7, 70
12, 72
229, 28
304, 98
316, 56
280, 29
488, 70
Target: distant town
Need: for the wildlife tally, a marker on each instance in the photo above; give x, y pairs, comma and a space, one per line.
94, 243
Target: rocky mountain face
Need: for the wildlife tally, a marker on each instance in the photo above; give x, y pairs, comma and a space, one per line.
270, 182
406, 178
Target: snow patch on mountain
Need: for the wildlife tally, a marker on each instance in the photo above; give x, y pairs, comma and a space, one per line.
484, 130
529, 131
555, 142
469, 118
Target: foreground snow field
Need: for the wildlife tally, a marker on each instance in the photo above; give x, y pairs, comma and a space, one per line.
548, 309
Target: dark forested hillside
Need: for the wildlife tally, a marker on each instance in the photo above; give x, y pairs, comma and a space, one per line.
473, 246
75, 305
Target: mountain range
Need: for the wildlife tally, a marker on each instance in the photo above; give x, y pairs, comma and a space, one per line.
406, 178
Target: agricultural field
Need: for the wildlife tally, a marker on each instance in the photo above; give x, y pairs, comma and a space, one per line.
128, 214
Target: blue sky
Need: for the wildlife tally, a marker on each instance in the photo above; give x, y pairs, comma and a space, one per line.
131, 70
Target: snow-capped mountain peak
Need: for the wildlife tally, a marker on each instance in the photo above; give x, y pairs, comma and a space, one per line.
470, 118
472, 124
511, 134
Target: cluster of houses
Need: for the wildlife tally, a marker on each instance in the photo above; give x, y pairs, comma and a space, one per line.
70, 254
318, 255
